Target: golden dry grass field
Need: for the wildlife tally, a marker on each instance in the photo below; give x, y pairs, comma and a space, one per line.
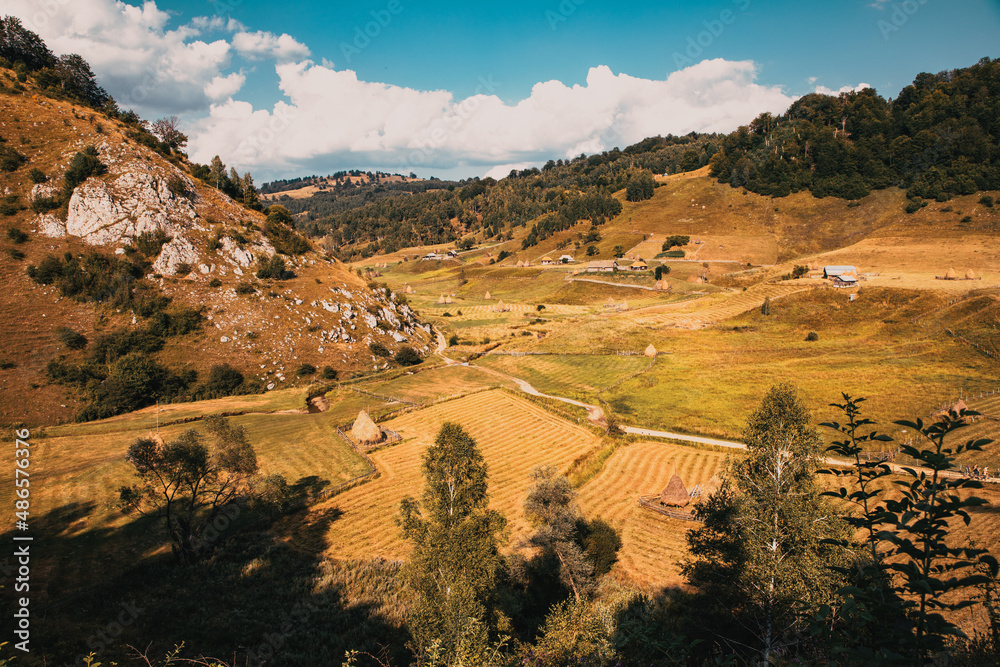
514, 437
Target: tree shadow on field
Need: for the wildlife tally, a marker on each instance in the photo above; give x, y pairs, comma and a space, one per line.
255, 598
306, 488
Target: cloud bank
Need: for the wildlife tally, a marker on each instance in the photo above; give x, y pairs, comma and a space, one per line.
327, 119
332, 117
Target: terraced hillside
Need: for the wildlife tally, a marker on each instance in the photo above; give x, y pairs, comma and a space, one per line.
707, 311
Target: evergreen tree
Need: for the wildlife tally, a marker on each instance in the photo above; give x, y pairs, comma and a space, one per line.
453, 571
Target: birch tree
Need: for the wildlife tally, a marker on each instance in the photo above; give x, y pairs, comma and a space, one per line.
760, 553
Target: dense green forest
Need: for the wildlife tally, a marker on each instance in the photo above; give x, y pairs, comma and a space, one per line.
938, 138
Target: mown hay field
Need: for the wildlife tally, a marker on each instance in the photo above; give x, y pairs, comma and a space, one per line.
514, 436
653, 546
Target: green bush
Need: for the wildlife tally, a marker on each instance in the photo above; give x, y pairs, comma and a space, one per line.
453, 341
273, 268
10, 159
601, 543
328, 373
17, 235
245, 288
215, 282
674, 241
223, 380
71, 339
84, 164
15, 254
150, 243
44, 204
7, 364
305, 370
987, 201
37, 175
378, 349
177, 186
407, 356
812, 335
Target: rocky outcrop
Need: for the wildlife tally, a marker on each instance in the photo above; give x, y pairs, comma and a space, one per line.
43, 191
103, 214
178, 251
50, 225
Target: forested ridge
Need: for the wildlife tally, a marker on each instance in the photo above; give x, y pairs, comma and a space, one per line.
555, 197
937, 139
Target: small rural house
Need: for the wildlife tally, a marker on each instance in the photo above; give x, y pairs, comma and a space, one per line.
546, 261
638, 265
602, 266
565, 259
845, 280
832, 271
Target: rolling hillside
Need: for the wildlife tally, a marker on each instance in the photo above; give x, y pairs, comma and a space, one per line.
206, 254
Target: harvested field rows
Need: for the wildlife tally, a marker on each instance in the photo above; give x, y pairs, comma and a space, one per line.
514, 437
987, 426
489, 312
653, 545
696, 314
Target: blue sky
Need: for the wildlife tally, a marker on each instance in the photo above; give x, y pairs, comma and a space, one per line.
452, 88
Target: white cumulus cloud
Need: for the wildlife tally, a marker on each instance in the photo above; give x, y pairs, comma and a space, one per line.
333, 119
261, 44
823, 90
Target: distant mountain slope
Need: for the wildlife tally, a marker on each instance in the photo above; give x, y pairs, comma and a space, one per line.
141, 230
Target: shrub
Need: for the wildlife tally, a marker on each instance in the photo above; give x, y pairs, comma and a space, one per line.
273, 268
675, 241
378, 349
214, 243
453, 341
328, 373
601, 542
15, 254
812, 335
305, 370
183, 268
245, 288
214, 282
37, 175
10, 159
223, 380
150, 243
987, 201
967, 218
540, 307
177, 186
84, 164
407, 356
7, 364
44, 204
71, 339
17, 235
799, 271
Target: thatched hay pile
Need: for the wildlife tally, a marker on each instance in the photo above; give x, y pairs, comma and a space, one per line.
447, 299
409, 289
658, 286
951, 275
501, 307
675, 495
441, 299
970, 275
366, 431
650, 351
487, 297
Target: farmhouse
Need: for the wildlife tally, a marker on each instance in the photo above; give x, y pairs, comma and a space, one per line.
602, 266
834, 271
845, 280
546, 261
565, 259
638, 265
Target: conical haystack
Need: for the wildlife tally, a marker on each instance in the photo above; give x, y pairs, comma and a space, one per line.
409, 289
624, 304
675, 495
970, 275
520, 265
500, 307
951, 275
365, 430
447, 299
441, 299
650, 351
488, 297
658, 286
611, 302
